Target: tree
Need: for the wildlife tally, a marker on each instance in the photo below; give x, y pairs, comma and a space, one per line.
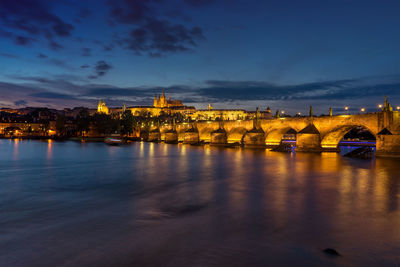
105, 124
60, 124
127, 121
83, 121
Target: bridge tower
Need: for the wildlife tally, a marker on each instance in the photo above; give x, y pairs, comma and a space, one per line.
388, 138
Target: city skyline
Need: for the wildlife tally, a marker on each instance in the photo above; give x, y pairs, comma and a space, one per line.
233, 54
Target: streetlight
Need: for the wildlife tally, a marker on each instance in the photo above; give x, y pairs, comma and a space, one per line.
362, 109
380, 106
298, 113
398, 107
283, 112
346, 108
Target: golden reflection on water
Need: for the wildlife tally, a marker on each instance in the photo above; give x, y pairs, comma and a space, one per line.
49, 154
206, 185
182, 149
279, 185
141, 149
238, 179
380, 188
15, 148
330, 162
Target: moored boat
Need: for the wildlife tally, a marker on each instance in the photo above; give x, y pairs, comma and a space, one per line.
112, 141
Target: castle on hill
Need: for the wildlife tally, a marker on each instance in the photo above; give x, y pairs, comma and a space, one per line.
168, 106
163, 102
161, 105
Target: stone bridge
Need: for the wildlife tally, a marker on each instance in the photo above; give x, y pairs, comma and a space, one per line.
313, 134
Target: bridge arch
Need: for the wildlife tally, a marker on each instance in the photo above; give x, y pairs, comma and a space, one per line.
236, 134
205, 133
274, 137
332, 139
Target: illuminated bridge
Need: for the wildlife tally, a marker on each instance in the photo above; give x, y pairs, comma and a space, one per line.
313, 134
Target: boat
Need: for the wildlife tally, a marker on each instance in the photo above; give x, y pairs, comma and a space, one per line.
112, 141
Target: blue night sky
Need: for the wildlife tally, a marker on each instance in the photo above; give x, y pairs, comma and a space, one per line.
232, 53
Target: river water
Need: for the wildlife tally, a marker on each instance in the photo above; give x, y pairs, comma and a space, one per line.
147, 204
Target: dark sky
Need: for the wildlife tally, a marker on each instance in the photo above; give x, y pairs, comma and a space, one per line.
232, 53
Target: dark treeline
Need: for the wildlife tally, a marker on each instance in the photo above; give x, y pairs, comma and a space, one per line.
124, 123
82, 122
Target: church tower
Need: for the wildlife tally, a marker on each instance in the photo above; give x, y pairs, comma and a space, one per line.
102, 108
155, 103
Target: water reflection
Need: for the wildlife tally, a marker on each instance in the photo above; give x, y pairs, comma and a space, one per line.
15, 143
227, 206
49, 149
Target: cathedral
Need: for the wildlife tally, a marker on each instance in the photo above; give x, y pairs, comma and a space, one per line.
163, 102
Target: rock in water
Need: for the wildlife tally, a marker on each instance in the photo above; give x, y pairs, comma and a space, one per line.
331, 251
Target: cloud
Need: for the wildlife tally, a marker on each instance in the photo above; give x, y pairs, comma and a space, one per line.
253, 90
42, 56
55, 46
86, 52
226, 94
152, 34
102, 68
60, 63
22, 40
8, 55
83, 14
32, 18
109, 47
53, 95
157, 37
109, 92
20, 103
85, 66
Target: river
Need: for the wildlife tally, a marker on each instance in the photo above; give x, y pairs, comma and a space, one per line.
148, 204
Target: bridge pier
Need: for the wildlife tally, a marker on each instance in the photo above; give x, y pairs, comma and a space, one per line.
388, 145
308, 143
154, 135
308, 140
254, 138
171, 137
191, 136
219, 137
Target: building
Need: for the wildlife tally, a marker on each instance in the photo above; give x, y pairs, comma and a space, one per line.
163, 102
229, 114
161, 105
102, 108
22, 128
224, 114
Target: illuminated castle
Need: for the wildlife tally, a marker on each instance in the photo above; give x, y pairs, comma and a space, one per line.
163, 102
102, 108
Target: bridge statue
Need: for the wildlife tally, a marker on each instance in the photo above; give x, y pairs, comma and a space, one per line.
313, 134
